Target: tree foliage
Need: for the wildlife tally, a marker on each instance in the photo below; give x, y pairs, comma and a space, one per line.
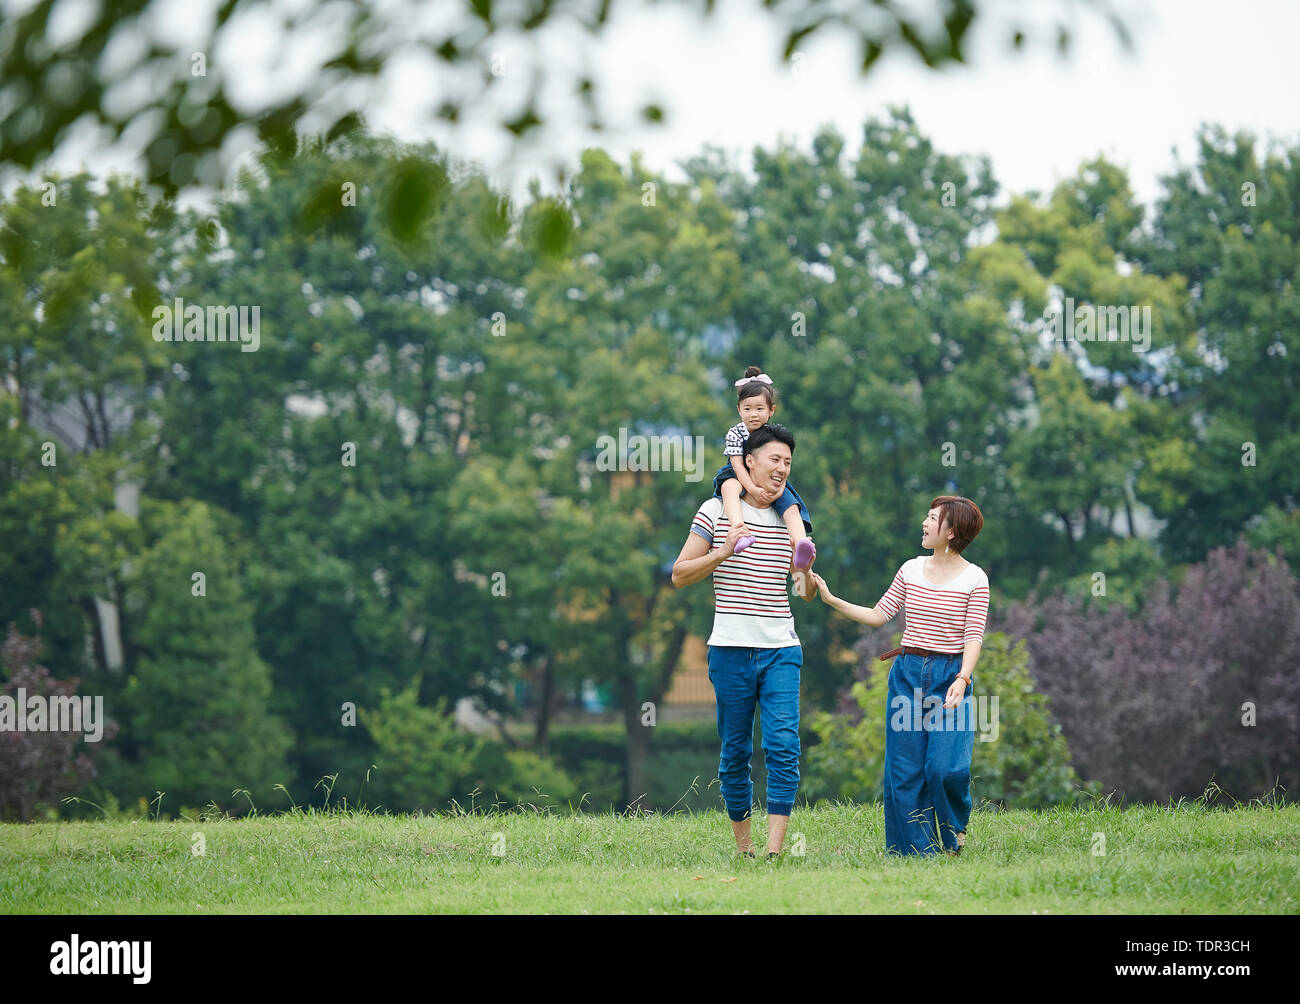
405, 481
64, 67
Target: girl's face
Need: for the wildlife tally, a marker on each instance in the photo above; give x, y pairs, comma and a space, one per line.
755, 411
932, 534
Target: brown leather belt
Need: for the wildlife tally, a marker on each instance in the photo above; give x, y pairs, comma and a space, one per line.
916, 651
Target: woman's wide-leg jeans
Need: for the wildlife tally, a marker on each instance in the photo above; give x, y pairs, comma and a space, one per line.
928, 752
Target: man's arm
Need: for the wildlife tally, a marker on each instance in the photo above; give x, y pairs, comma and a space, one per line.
697, 562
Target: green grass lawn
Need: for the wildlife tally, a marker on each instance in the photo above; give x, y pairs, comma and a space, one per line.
1188, 858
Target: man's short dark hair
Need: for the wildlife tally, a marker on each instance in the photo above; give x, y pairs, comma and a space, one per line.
765, 434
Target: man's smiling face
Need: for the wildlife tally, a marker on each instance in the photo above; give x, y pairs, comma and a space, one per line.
769, 466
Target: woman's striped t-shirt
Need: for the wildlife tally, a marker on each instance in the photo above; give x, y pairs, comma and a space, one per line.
942, 618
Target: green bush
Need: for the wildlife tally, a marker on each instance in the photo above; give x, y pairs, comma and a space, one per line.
533, 779
1027, 764
686, 779
573, 745
425, 761
602, 782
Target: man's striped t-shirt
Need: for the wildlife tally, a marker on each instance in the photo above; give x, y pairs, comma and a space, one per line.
751, 605
941, 618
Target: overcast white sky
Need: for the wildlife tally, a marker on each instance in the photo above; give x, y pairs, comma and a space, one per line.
1036, 114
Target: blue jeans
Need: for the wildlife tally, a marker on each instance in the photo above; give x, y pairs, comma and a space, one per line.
769, 677
927, 756
788, 497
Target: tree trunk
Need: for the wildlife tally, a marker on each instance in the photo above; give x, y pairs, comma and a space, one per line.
99, 655
638, 746
638, 735
542, 737
1069, 529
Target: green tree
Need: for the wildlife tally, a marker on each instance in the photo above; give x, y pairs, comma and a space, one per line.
195, 710
78, 264
1228, 227
1098, 430
367, 340
651, 265
423, 758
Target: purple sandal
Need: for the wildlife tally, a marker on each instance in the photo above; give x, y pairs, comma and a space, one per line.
743, 543
804, 552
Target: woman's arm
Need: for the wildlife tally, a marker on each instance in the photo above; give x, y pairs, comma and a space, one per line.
977, 611
970, 655
866, 615
977, 615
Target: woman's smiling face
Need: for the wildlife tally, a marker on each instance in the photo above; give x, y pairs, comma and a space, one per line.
755, 411
930, 530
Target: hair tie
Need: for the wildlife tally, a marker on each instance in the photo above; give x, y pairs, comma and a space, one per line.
761, 378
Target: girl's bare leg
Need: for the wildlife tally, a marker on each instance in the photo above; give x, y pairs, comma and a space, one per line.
731, 489
802, 581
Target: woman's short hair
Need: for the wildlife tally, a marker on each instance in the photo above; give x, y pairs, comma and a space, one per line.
962, 516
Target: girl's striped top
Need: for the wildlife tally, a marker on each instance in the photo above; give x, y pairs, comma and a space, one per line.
941, 618
734, 444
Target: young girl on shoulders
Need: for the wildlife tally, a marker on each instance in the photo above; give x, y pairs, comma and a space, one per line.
756, 404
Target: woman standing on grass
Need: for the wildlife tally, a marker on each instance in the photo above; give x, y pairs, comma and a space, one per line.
927, 748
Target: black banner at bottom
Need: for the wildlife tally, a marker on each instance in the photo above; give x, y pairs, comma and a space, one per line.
181, 953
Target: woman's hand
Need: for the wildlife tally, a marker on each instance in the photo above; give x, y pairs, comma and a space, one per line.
955, 692
863, 615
